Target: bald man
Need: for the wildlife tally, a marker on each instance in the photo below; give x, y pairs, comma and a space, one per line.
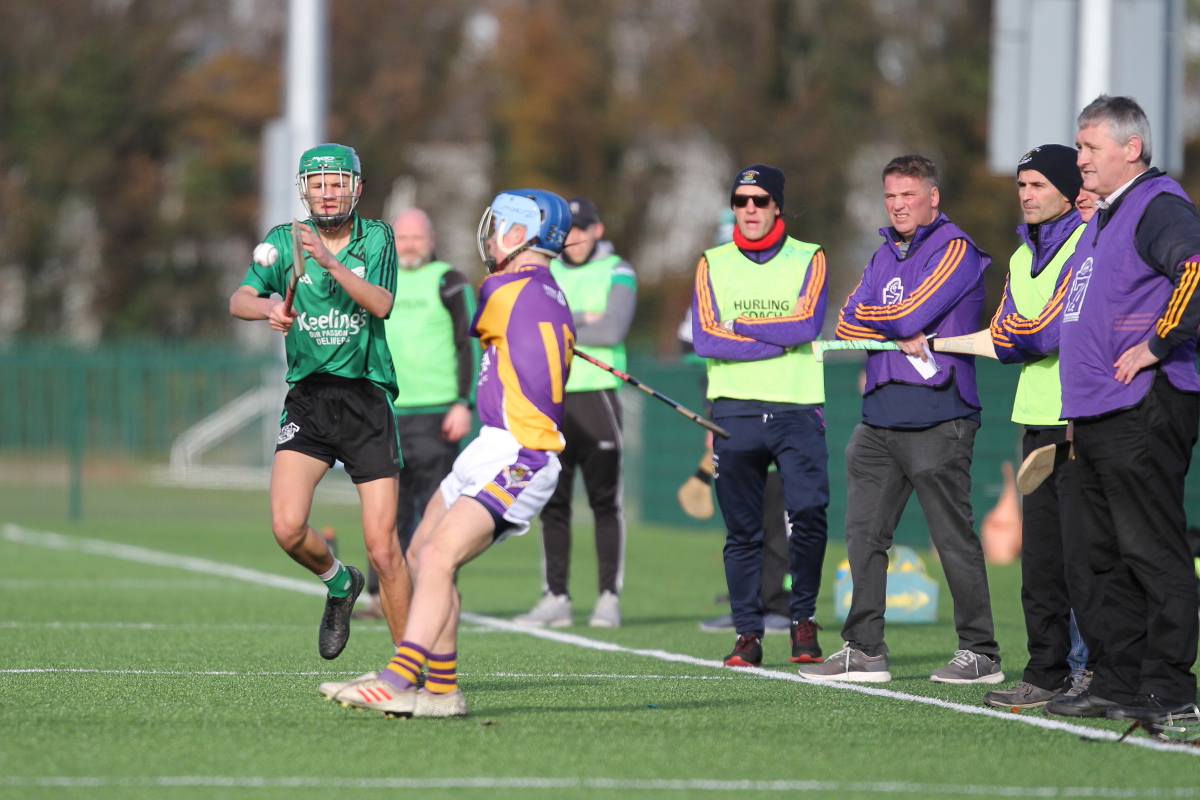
436, 363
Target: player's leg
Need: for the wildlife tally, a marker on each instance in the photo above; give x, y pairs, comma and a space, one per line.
1044, 598
742, 462
378, 499
1149, 455
600, 463
553, 610
294, 479
797, 440
876, 493
777, 615
938, 462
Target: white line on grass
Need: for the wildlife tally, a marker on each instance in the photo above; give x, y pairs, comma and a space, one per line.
845, 787
129, 552
40, 670
58, 541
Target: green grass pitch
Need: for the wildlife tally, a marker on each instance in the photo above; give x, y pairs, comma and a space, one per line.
123, 707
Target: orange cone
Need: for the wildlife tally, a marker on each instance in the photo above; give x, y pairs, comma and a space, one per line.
1001, 528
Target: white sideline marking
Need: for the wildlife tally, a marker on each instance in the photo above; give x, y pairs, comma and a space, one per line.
129, 552
40, 670
621, 784
58, 541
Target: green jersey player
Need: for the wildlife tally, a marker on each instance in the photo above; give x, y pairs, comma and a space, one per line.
342, 382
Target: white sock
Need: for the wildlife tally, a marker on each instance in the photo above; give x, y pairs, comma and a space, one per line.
326, 576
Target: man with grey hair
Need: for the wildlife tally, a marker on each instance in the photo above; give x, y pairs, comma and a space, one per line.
436, 363
1127, 356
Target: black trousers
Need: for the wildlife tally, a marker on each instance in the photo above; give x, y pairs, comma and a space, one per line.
592, 429
795, 442
883, 468
775, 548
1132, 466
1055, 576
428, 458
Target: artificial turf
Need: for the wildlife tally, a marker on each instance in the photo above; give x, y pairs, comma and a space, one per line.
539, 709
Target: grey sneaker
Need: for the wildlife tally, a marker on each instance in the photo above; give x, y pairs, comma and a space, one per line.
968, 667
607, 613
777, 623
451, 704
1023, 695
848, 664
1080, 681
721, 624
552, 611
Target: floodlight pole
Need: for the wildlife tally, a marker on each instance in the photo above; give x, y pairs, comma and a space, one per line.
307, 69
1095, 50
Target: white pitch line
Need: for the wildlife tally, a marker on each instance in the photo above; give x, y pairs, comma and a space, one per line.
84, 670
129, 552
851, 788
58, 541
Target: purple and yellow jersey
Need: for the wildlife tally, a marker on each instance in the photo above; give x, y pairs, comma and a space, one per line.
528, 338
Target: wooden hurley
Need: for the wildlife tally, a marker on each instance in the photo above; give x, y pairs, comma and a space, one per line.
974, 344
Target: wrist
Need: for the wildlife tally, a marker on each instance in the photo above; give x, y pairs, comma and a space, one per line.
1158, 347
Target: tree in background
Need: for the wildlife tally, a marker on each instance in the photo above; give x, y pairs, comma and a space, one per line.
130, 134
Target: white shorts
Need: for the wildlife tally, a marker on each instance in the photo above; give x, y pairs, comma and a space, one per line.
513, 482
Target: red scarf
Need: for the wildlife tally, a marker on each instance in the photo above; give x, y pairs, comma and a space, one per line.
770, 240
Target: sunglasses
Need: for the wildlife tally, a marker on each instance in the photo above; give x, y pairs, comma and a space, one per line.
760, 200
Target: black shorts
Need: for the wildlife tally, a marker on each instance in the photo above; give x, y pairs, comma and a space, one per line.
350, 420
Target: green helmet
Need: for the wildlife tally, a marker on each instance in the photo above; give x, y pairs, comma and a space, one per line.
325, 159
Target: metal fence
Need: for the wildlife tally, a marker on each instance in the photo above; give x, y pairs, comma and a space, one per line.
136, 399
131, 399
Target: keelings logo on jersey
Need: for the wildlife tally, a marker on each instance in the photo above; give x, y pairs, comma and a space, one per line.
334, 320
288, 432
749, 176
893, 292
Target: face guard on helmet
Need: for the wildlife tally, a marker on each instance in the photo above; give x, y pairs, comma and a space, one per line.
329, 180
544, 215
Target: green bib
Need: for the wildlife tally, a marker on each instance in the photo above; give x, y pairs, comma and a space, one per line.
586, 288
1039, 391
764, 290
420, 335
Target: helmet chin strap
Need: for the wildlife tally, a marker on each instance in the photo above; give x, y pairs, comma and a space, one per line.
513, 254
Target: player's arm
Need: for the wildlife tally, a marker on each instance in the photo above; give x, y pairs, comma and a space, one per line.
1168, 239
458, 297
954, 272
804, 323
252, 300
611, 327
848, 326
1018, 339
373, 297
713, 338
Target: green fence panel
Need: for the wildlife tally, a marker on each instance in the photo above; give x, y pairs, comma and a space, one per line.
672, 445
137, 397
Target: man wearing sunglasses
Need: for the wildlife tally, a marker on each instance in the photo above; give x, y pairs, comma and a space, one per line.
759, 301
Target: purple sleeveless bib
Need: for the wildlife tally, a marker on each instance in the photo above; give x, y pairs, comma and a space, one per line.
1114, 301
893, 278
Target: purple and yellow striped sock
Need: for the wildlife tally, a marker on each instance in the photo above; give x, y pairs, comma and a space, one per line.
442, 676
402, 671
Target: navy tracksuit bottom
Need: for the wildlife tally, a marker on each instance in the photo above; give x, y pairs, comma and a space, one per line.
794, 441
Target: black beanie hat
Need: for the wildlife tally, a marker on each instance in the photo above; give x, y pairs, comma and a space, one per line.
764, 177
1057, 163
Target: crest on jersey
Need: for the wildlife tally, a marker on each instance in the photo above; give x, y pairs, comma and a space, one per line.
517, 476
555, 294
360, 272
1079, 287
894, 292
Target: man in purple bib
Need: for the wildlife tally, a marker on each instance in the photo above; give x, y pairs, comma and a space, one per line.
1127, 355
920, 415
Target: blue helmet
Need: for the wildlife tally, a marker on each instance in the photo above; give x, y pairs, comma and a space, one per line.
545, 216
